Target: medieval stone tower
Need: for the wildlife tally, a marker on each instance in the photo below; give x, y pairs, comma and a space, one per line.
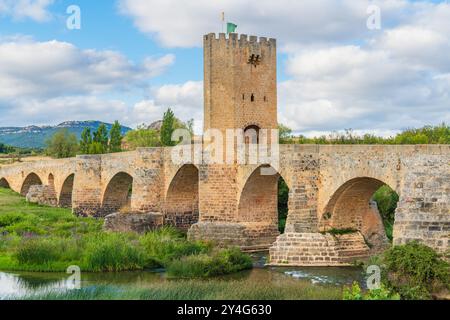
240, 82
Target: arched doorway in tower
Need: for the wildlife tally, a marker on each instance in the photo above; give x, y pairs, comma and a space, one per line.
117, 195
263, 205
181, 205
4, 183
31, 180
364, 205
251, 134
65, 196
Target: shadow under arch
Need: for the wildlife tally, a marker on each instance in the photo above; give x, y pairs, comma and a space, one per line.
4, 183
181, 208
351, 207
31, 180
65, 195
118, 193
259, 200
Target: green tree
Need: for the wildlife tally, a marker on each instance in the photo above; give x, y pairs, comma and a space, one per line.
283, 199
285, 134
142, 138
167, 128
96, 148
190, 127
100, 140
115, 137
387, 200
86, 140
62, 144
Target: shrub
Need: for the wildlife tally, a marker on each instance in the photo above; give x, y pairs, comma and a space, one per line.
10, 219
221, 262
340, 232
355, 293
42, 251
387, 200
37, 251
415, 270
113, 252
166, 244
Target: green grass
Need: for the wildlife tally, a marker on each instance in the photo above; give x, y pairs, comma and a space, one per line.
200, 290
167, 244
340, 232
26, 219
217, 263
41, 238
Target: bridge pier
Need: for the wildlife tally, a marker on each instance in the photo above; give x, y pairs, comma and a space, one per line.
87, 192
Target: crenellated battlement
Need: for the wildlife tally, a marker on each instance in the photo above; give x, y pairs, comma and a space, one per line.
240, 81
243, 39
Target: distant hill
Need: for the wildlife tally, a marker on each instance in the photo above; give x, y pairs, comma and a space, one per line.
35, 136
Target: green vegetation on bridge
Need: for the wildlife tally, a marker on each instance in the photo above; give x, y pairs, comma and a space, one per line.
427, 135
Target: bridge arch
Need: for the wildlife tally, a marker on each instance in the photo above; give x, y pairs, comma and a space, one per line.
258, 200
31, 180
65, 195
117, 194
182, 199
351, 207
4, 183
251, 134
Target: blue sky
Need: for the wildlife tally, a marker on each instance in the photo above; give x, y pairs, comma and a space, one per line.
138, 57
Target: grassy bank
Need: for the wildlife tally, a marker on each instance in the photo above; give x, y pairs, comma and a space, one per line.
200, 290
40, 238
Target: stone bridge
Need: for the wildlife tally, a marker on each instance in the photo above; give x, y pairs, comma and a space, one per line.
330, 187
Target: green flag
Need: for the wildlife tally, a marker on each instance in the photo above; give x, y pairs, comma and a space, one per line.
231, 27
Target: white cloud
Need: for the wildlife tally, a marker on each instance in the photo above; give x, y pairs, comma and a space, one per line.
186, 100
36, 10
182, 23
340, 74
361, 88
59, 109
176, 23
53, 68
52, 81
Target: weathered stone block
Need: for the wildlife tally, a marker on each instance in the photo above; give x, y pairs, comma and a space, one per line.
43, 195
135, 222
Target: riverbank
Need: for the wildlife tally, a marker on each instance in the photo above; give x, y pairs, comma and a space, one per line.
258, 283
45, 239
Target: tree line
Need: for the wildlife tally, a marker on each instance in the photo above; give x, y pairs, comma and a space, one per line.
439, 134
64, 144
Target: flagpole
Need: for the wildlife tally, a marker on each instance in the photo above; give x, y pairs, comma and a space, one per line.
223, 22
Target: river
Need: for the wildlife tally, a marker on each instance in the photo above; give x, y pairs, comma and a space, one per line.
21, 284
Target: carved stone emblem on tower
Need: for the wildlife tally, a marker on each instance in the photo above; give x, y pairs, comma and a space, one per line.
254, 55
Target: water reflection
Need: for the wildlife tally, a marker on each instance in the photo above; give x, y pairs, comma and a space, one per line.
22, 284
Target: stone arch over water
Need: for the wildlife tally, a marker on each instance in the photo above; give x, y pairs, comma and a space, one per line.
4, 183
65, 196
182, 200
117, 195
352, 207
31, 180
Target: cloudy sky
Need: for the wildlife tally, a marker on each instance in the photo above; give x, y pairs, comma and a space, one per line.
132, 59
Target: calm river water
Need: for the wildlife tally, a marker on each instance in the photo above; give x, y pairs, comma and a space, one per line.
19, 284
